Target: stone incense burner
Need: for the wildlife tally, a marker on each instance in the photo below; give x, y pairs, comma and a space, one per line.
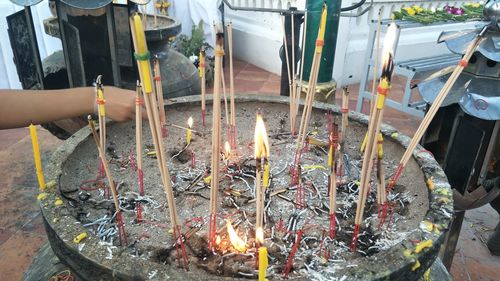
402, 251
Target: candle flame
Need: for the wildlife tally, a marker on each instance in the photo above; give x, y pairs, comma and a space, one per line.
259, 235
190, 122
261, 141
236, 241
217, 240
388, 50
227, 149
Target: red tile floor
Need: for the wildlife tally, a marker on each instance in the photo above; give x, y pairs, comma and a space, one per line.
22, 233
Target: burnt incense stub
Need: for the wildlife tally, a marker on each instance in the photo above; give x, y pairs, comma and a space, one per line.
402, 251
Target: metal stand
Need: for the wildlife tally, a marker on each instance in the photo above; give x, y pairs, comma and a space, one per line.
451, 240
407, 69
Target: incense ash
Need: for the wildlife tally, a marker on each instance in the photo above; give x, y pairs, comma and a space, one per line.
296, 219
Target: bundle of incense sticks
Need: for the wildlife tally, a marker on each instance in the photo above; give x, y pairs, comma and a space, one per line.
138, 138
150, 99
119, 218
159, 96
374, 127
343, 129
203, 84
101, 113
216, 117
431, 113
311, 90
233, 139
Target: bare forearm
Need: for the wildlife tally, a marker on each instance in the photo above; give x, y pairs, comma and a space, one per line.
19, 108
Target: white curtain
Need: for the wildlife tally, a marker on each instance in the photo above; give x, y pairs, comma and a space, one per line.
191, 12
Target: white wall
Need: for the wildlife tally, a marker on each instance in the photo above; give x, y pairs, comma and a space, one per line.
46, 44
258, 36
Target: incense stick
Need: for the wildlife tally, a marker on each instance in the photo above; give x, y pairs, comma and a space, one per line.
297, 96
100, 101
344, 124
119, 218
216, 118
375, 74
231, 86
138, 138
159, 96
333, 139
261, 144
375, 66
226, 109
290, 93
294, 86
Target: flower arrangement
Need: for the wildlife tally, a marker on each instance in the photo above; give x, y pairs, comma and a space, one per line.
469, 11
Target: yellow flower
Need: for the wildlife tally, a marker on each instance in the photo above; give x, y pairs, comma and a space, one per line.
417, 9
473, 5
409, 10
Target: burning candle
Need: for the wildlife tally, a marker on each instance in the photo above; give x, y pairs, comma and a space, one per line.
36, 155
190, 124
263, 263
261, 159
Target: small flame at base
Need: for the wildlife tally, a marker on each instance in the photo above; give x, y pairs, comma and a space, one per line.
236, 241
190, 122
227, 150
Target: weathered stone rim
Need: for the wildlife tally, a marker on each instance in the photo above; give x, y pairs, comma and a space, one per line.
400, 267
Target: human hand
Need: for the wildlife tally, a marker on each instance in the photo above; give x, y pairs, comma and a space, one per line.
120, 104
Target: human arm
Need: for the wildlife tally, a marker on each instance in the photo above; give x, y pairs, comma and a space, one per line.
19, 108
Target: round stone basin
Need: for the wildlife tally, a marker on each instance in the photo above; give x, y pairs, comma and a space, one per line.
402, 251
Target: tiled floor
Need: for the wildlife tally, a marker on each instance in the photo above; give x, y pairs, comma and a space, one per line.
22, 233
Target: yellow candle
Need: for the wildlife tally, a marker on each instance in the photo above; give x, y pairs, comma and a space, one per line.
265, 178
142, 50
330, 156
100, 102
380, 146
383, 90
202, 64
190, 124
322, 29
262, 263
36, 154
